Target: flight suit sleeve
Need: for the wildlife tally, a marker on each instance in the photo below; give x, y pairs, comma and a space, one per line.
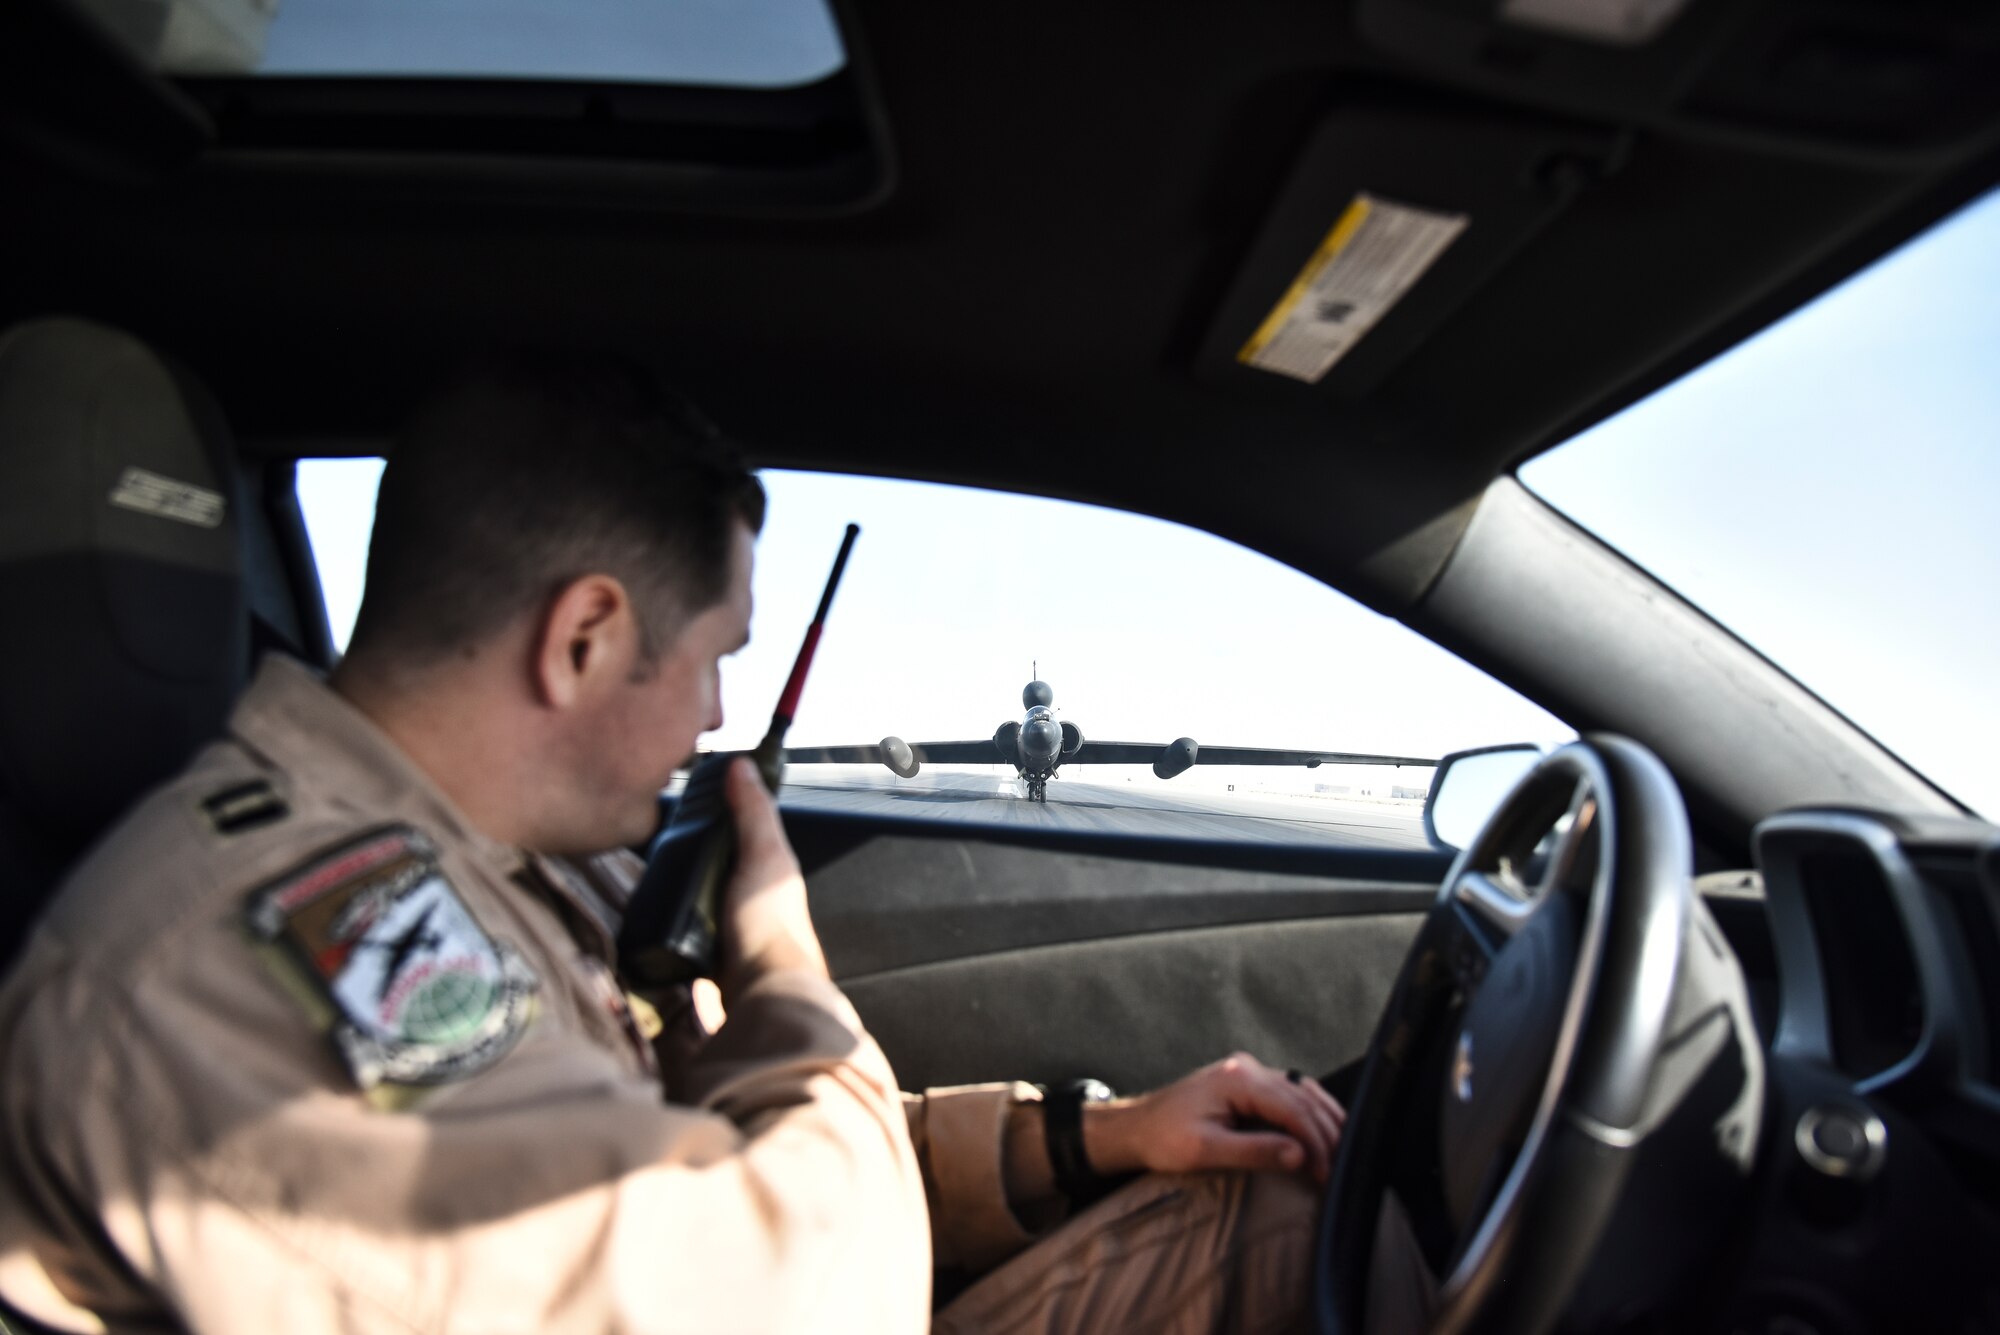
959, 1135
553, 1191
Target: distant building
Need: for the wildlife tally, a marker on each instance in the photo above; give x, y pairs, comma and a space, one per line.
1384, 789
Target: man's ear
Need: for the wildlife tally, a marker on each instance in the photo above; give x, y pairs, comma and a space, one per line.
587, 636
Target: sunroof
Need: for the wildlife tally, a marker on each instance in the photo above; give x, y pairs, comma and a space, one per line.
728, 43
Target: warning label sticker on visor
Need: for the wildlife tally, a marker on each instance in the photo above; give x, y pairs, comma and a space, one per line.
1373, 255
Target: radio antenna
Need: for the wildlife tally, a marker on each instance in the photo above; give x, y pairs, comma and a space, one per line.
788, 703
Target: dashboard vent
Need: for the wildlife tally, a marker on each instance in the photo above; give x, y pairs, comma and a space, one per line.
1875, 1003
1973, 905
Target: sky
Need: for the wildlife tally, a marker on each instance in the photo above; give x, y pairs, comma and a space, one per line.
741, 42
1827, 490
1830, 490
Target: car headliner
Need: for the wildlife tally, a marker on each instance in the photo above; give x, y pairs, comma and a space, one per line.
1073, 212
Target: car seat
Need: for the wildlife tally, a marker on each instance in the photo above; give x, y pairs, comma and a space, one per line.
121, 591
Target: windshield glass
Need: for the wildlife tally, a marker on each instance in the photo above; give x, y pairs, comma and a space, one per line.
1144, 632
739, 43
1827, 491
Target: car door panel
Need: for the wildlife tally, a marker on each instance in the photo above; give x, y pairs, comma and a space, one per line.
977, 954
1142, 1009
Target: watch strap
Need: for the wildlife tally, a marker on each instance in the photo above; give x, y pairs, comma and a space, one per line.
1062, 1134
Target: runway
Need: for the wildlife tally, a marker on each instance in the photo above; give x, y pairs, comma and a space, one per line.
1145, 806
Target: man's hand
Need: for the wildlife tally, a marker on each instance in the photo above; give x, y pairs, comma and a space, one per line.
1233, 1114
765, 925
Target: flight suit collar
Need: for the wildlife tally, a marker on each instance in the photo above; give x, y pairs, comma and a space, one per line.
312, 734
319, 740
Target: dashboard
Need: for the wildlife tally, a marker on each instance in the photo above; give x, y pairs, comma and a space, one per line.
1886, 945
1878, 991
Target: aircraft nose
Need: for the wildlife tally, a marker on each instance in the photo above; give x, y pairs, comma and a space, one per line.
1041, 738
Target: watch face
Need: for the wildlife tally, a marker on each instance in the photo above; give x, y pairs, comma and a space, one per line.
1093, 1091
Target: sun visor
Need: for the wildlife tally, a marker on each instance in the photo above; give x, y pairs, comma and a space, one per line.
1870, 80
1390, 222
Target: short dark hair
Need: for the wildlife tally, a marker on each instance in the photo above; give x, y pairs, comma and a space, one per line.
531, 469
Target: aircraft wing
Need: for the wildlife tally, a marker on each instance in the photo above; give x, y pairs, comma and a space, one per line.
981, 752
1146, 753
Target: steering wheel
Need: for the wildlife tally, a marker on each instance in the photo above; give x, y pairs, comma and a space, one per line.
1567, 1001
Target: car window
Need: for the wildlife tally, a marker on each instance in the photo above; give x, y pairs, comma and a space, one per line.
1826, 491
1145, 632
338, 499
740, 43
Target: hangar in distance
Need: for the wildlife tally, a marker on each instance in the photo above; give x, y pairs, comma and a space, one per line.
1038, 745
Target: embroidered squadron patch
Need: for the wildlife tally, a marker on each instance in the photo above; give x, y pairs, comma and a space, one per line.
420, 994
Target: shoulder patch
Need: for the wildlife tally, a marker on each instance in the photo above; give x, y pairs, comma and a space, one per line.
244, 806
420, 994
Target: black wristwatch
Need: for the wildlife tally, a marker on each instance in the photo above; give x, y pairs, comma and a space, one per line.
1062, 1133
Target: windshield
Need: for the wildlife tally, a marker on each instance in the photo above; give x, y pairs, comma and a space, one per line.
1143, 632
1827, 491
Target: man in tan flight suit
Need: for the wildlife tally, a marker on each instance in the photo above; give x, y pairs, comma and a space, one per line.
313, 1041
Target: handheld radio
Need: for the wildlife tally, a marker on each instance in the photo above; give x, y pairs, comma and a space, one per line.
670, 930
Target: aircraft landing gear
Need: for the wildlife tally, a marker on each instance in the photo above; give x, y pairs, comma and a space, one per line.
1038, 791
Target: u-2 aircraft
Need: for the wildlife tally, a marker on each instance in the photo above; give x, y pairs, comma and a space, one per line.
1039, 744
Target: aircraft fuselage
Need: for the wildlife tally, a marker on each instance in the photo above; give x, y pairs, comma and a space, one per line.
1037, 745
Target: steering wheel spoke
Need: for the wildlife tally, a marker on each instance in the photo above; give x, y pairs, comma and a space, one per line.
1571, 841
1495, 912
1479, 919
1494, 899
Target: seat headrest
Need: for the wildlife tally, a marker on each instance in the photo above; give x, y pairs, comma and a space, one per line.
121, 579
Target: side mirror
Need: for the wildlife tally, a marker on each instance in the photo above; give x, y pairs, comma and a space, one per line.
1468, 786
